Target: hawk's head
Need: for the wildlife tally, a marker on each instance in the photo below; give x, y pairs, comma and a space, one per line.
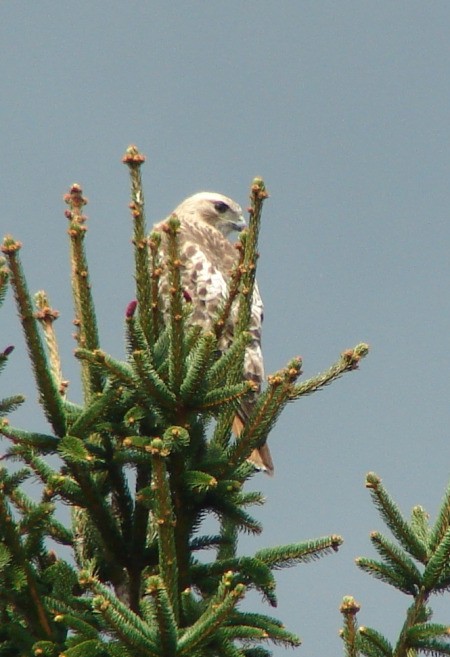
214, 209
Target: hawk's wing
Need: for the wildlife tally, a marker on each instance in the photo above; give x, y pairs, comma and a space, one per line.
207, 259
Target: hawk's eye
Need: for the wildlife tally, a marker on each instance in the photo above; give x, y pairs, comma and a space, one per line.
221, 207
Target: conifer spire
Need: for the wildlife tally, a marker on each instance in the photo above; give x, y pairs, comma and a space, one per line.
142, 461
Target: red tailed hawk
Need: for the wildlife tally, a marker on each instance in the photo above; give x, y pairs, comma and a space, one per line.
208, 256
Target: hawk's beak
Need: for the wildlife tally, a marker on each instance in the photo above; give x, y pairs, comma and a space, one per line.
239, 225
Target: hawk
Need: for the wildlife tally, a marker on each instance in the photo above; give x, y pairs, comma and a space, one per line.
207, 256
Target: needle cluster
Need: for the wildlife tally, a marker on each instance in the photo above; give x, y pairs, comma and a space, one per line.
141, 462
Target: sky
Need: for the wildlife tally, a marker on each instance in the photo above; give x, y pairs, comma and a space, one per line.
343, 109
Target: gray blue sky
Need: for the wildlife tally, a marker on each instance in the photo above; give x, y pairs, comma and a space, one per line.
343, 109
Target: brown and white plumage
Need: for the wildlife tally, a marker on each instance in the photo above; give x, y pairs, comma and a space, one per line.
207, 256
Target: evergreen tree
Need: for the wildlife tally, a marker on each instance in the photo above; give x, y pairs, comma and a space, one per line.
418, 566
146, 457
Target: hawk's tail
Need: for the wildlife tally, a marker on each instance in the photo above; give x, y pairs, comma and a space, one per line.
260, 457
